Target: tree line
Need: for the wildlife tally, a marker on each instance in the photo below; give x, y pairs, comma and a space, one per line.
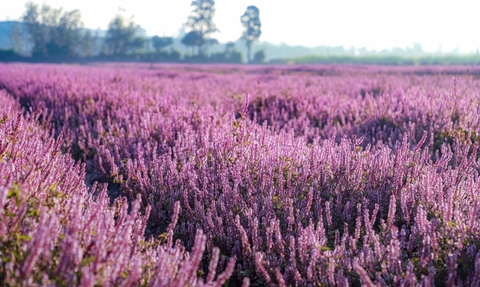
52, 33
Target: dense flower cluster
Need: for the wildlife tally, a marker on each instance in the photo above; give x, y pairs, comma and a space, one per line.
314, 175
54, 232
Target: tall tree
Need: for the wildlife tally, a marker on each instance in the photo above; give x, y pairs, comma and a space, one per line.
53, 31
89, 44
200, 22
38, 31
120, 35
66, 34
251, 28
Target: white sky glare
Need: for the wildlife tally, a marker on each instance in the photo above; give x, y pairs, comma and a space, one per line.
375, 24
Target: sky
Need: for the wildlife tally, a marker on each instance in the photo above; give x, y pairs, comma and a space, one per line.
374, 24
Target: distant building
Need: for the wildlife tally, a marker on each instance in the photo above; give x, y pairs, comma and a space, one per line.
5, 32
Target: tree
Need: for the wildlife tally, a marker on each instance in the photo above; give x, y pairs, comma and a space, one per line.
38, 31
120, 33
259, 57
251, 28
53, 31
66, 34
200, 22
232, 55
161, 42
121, 38
137, 45
211, 42
89, 44
192, 39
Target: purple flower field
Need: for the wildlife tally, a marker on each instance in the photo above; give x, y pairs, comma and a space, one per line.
177, 175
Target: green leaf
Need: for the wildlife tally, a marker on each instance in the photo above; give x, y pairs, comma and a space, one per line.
324, 248
23, 237
87, 261
452, 224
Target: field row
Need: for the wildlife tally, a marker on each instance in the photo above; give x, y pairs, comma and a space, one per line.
304, 176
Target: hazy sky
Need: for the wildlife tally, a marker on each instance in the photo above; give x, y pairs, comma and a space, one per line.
375, 24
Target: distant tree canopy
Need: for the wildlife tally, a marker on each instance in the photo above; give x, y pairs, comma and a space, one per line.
53, 31
259, 57
201, 17
229, 55
200, 23
251, 28
52, 34
121, 37
193, 38
232, 55
159, 43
